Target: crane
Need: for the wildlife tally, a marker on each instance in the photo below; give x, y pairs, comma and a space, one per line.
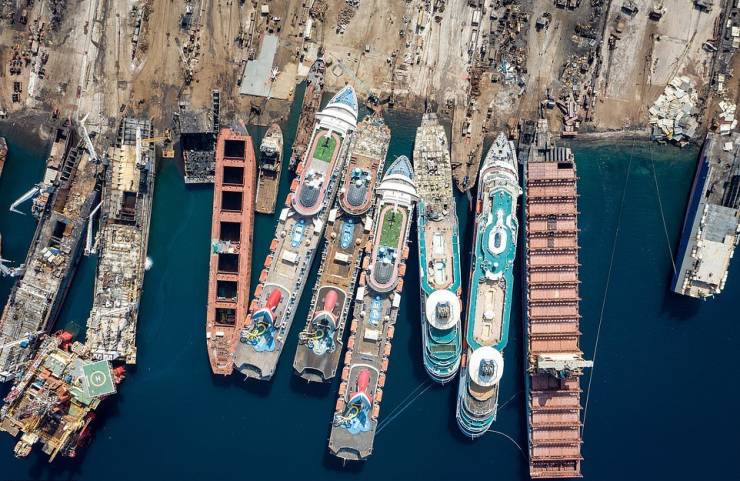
168, 151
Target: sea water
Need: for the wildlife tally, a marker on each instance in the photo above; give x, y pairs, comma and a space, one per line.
660, 403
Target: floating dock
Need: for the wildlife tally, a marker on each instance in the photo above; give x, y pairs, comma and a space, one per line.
231, 246
439, 252
124, 236
268, 181
377, 303
349, 224
711, 228
37, 297
54, 402
551, 312
297, 237
491, 289
309, 107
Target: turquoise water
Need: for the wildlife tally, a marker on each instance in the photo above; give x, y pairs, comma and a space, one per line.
660, 406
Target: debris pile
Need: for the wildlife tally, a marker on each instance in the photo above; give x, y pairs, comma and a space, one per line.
673, 115
318, 10
727, 121
346, 13
56, 13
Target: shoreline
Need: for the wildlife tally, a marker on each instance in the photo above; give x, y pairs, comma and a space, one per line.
31, 127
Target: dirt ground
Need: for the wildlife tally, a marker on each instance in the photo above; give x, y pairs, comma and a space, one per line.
647, 56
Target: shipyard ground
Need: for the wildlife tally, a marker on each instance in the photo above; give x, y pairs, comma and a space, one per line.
407, 53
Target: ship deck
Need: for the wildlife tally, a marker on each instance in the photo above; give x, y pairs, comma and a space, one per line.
124, 237
309, 107
269, 171
347, 233
492, 277
321, 160
552, 316
231, 247
286, 268
369, 343
36, 298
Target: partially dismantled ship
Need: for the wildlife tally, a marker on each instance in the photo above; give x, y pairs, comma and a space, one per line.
3, 154
270, 160
551, 309
309, 107
349, 224
377, 303
439, 252
124, 236
53, 404
711, 228
297, 236
231, 246
37, 297
491, 289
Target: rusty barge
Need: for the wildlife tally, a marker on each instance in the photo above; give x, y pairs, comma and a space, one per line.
268, 181
554, 359
311, 104
231, 246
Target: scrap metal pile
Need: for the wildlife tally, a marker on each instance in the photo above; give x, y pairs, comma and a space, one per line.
674, 114
346, 14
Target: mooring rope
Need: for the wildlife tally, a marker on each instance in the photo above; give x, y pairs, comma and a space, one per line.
510, 439
662, 214
606, 287
403, 407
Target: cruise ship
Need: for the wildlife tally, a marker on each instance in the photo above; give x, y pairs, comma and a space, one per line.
297, 236
350, 220
439, 252
377, 303
491, 286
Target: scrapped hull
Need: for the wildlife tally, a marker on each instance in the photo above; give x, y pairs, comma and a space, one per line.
269, 170
377, 304
321, 341
124, 239
37, 298
309, 107
231, 248
299, 230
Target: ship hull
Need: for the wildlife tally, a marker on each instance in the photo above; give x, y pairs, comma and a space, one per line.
321, 341
269, 170
231, 236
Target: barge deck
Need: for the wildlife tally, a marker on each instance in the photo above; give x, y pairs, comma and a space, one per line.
270, 166
231, 246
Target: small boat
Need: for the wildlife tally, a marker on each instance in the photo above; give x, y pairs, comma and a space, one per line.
269, 167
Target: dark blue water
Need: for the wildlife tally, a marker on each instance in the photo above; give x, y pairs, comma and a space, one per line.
660, 404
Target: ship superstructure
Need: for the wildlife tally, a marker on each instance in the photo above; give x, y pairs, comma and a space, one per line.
551, 309
124, 236
377, 303
349, 224
54, 402
299, 230
37, 297
309, 107
491, 288
231, 246
270, 160
711, 228
439, 252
